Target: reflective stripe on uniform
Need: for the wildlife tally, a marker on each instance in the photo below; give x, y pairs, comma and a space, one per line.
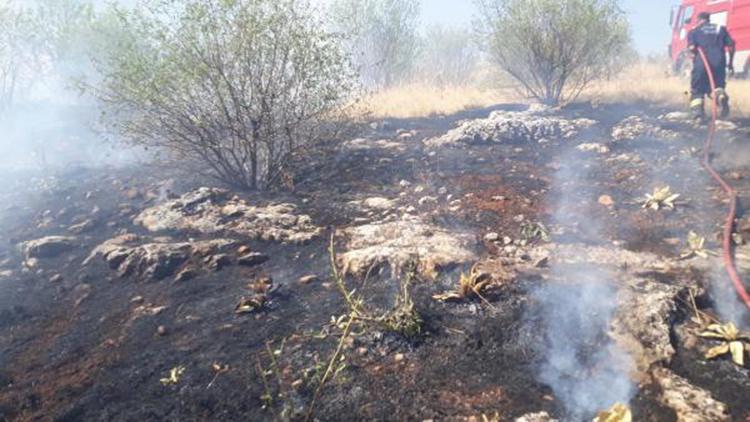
698, 102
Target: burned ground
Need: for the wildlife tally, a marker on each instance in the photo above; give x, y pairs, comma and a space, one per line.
82, 342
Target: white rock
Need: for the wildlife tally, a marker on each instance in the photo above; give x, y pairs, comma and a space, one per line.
210, 211
400, 242
491, 237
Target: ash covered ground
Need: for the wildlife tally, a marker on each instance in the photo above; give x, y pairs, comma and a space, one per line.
135, 294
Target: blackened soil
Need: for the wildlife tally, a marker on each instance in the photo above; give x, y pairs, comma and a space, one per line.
78, 348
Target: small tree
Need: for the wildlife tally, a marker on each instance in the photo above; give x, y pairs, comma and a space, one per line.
18, 53
554, 48
237, 87
381, 37
449, 56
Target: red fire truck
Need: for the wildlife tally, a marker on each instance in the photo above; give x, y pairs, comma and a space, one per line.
734, 14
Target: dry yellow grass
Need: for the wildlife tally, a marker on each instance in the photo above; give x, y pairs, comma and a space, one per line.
647, 82
650, 82
424, 100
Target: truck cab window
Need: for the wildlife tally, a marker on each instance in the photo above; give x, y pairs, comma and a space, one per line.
687, 17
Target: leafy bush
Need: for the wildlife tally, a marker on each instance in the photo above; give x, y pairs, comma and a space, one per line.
554, 48
235, 89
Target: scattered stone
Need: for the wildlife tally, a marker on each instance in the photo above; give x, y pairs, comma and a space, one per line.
56, 278
137, 299
504, 126
691, 403
606, 200
252, 259
48, 247
210, 211
186, 274
442, 191
593, 147
636, 127
491, 237
427, 200
218, 262
404, 183
677, 116
308, 279
5, 274
404, 241
399, 357
379, 203
161, 330
83, 226
155, 260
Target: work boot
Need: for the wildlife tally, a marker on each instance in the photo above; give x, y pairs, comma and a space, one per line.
697, 111
723, 100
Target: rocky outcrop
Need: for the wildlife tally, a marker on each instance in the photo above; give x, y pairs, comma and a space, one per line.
509, 126
130, 256
48, 247
645, 307
691, 403
406, 241
214, 211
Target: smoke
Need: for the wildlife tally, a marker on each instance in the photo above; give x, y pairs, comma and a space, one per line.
49, 124
585, 368
587, 371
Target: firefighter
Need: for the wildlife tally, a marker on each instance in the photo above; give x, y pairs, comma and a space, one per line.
715, 41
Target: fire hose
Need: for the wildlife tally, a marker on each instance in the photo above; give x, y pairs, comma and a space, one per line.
728, 254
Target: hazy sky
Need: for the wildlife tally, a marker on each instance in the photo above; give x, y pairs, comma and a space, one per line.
649, 19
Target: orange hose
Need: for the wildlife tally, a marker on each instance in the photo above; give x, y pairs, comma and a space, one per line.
729, 262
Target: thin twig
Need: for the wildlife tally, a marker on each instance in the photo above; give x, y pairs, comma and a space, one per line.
331, 363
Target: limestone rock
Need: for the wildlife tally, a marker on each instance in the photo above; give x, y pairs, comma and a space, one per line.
213, 211
154, 260
82, 227
401, 242
379, 203
593, 147
508, 126
691, 403
48, 247
252, 259
636, 127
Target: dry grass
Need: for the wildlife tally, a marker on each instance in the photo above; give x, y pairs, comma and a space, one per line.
650, 82
424, 100
646, 81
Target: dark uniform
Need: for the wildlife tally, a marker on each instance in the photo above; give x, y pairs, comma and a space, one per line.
714, 40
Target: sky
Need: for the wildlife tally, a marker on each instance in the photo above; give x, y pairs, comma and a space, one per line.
649, 19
